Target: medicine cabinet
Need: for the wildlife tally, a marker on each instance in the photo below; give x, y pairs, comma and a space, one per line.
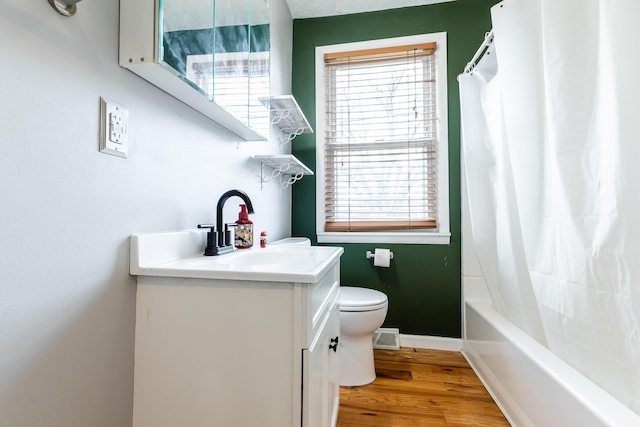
211, 54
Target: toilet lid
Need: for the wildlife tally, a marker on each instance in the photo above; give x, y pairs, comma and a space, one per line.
361, 299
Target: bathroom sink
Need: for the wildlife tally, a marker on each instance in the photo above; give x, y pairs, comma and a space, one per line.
179, 254
270, 256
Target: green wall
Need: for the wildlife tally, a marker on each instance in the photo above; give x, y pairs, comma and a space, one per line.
423, 283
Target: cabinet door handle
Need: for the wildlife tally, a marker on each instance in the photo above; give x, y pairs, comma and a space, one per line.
334, 347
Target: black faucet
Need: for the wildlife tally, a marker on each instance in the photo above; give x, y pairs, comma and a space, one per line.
224, 238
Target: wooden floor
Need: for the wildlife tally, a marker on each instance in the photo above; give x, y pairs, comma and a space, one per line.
416, 387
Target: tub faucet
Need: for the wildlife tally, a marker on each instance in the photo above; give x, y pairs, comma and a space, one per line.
224, 238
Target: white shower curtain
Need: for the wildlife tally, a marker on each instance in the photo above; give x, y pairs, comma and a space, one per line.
550, 128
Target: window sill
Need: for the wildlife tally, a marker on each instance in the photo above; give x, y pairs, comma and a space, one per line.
419, 238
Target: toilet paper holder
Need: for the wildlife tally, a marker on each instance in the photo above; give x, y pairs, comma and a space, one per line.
371, 255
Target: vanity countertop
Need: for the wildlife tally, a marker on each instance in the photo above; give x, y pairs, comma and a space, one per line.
179, 254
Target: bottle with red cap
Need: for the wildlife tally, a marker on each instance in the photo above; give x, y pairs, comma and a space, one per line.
243, 235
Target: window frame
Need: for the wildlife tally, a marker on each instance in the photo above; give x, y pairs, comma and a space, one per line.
442, 234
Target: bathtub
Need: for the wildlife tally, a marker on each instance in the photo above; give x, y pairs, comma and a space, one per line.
531, 385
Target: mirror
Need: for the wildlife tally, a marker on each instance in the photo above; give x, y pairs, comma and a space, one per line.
259, 65
218, 49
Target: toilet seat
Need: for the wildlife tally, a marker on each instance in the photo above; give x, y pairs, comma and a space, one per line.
353, 299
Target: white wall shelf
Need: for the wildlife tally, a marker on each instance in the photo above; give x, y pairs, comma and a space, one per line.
284, 164
285, 113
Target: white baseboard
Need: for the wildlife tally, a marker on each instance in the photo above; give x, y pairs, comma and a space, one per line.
431, 343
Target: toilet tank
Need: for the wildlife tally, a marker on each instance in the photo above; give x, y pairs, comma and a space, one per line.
293, 241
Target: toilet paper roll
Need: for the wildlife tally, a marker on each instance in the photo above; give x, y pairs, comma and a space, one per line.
382, 258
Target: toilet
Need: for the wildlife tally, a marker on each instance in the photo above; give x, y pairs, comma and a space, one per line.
362, 312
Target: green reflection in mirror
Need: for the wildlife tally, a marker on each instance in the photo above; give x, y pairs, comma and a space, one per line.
221, 48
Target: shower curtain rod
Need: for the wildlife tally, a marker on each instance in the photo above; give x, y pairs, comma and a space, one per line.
488, 39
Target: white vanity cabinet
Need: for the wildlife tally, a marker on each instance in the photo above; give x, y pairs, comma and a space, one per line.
245, 353
321, 395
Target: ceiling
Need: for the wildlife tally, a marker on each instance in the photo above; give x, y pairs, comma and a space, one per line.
317, 8
182, 15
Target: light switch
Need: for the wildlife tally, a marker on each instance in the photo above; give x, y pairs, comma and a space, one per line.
114, 128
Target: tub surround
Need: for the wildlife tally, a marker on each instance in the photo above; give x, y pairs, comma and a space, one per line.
531, 385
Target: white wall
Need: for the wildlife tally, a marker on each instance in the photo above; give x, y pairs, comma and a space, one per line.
473, 284
66, 210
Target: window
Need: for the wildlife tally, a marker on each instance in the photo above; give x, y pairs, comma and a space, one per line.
239, 84
382, 141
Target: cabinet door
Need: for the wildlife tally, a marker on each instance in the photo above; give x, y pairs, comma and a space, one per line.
333, 370
320, 374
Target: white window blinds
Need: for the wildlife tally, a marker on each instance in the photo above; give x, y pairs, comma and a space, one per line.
381, 139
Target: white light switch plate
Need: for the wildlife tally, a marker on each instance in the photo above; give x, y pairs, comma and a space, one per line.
114, 128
